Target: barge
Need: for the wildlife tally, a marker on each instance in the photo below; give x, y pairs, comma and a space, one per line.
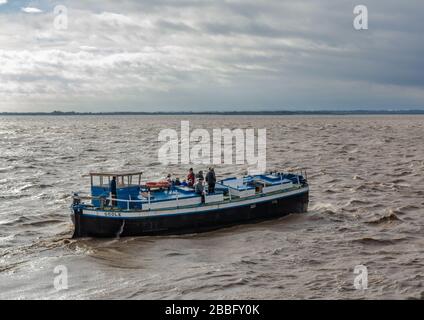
138, 209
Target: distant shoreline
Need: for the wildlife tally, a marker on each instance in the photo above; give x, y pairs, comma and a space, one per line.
240, 113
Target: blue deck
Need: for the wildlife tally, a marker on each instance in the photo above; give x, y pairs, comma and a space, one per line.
173, 194
249, 182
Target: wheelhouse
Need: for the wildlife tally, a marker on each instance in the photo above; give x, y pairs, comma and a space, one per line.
127, 187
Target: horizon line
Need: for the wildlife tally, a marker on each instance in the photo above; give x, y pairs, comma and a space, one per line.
265, 112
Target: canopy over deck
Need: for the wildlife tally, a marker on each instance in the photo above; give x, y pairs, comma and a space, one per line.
114, 174
123, 178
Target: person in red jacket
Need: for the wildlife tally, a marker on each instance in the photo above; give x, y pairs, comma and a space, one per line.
190, 178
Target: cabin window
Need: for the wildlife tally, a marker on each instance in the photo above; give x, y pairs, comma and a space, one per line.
120, 181
100, 181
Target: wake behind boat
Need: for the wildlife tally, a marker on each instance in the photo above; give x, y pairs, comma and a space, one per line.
155, 208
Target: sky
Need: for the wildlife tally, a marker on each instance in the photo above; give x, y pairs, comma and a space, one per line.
204, 55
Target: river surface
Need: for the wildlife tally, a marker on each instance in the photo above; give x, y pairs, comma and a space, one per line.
366, 208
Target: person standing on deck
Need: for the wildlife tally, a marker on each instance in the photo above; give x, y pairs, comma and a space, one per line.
200, 175
200, 189
211, 180
170, 182
113, 190
190, 178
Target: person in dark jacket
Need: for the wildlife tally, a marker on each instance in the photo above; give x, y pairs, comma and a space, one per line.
177, 182
113, 190
211, 180
200, 175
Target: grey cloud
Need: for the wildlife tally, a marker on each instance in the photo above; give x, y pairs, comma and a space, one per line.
202, 54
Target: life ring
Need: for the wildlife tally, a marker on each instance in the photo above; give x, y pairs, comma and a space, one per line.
158, 184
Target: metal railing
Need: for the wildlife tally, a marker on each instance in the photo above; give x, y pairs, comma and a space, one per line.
112, 200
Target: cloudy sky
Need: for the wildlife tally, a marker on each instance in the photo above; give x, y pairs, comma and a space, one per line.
210, 55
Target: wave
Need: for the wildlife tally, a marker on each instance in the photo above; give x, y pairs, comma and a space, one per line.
43, 222
7, 169
376, 241
385, 219
357, 202
17, 221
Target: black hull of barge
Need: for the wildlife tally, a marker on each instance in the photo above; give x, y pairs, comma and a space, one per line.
92, 226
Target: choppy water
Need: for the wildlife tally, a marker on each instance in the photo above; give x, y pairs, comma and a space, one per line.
367, 199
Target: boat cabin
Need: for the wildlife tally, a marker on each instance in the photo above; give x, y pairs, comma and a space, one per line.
250, 185
127, 187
